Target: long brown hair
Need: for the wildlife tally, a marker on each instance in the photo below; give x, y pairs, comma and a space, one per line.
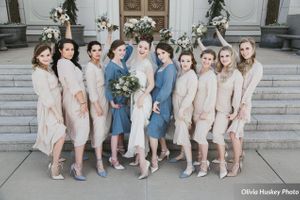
189, 53
38, 49
245, 65
113, 47
232, 66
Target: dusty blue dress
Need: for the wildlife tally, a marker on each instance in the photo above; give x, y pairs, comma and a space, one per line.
121, 118
162, 92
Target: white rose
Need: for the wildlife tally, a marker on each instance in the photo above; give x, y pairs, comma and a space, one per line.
49, 36
226, 25
108, 25
125, 88
117, 86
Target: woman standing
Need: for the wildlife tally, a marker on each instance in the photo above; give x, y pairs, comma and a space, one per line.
68, 70
142, 105
183, 97
165, 77
204, 105
116, 68
230, 82
99, 106
252, 71
51, 130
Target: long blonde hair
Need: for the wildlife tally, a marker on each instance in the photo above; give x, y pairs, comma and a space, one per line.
229, 69
245, 65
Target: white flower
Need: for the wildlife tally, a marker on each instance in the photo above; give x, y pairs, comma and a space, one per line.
49, 35
117, 86
226, 25
108, 25
125, 88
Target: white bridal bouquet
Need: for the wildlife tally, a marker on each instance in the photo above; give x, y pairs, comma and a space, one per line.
165, 35
50, 35
184, 43
198, 31
59, 15
124, 86
145, 25
104, 23
130, 28
221, 22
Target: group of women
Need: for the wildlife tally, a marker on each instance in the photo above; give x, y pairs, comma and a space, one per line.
217, 96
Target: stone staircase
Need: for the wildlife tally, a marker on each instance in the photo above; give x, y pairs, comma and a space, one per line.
275, 115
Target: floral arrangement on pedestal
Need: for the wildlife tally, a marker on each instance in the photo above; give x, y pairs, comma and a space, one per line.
103, 23
124, 86
165, 35
198, 31
50, 35
183, 42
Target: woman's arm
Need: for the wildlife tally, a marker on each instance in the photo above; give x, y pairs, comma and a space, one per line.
68, 33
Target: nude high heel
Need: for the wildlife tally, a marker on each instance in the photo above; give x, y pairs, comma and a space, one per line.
223, 170
146, 171
203, 171
163, 155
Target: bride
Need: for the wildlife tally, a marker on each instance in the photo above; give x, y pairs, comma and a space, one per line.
141, 105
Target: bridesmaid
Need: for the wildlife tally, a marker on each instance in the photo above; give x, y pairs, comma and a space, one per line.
204, 105
51, 130
165, 77
229, 92
252, 71
99, 106
68, 70
183, 97
142, 68
118, 54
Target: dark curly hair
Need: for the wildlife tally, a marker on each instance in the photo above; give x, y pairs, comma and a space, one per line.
113, 47
166, 47
57, 54
91, 44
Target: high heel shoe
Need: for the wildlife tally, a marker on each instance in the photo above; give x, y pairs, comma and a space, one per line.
217, 161
236, 168
154, 169
146, 172
100, 170
223, 170
178, 158
164, 154
203, 171
121, 150
115, 164
55, 175
187, 173
74, 174
199, 158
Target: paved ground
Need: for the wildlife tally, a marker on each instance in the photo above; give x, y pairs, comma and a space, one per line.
23, 175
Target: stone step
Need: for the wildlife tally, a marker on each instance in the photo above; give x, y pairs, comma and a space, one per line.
276, 93
280, 81
28, 124
252, 140
270, 107
18, 108
17, 94
23, 124
276, 107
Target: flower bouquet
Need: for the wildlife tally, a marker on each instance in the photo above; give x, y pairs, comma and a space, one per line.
59, 15
103, 23
221, 22
198, 31
130, 28
51, 35
184, 43
124, 86
145, 26
165, 35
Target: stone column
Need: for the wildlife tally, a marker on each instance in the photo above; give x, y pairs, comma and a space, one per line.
3, 12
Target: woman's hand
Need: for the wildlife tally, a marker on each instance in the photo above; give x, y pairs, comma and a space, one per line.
155, 107
232, 116
203, 116
242, 112
59, 118
115, 106
83, 109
